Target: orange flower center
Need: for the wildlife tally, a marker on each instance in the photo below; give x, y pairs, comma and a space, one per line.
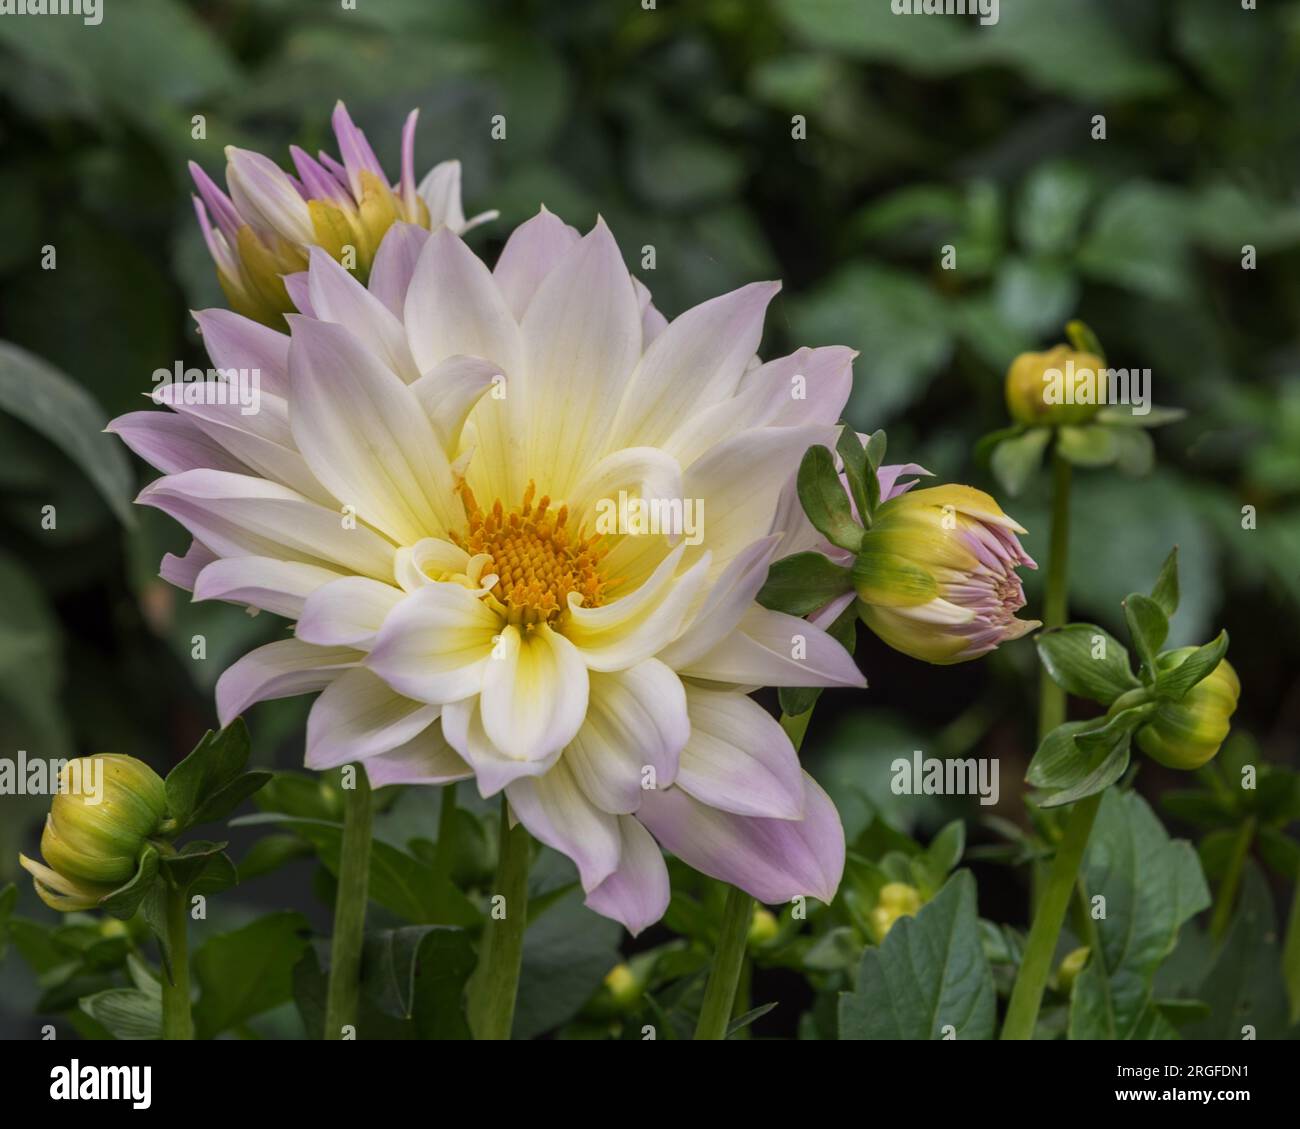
537, 558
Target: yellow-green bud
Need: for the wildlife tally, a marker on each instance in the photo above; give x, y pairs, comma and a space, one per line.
1071, 965
1049, 387
106, 807
1186, 734
763, 927
896, 899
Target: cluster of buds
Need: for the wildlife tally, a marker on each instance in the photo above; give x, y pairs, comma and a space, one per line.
932, 572
1177, 707
261, 232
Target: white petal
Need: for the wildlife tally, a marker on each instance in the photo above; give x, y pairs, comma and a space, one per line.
555, 811
172, 442
363, 432
436, 644
534, 693
184, 571
239, 516
449, 392
697, 360
336, 296
390, 273
359, 715
424, 759
440, 190
637, 893
738, 758
462, 725
234, 342
774, 649
279, 670
347, 613
428, 561
640, 472
583, 336
808, 386
273, 585
622, 633
636, 720
530, 254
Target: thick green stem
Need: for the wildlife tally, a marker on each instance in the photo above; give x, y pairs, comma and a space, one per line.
1291, 954
1227, 894
720, 992
1040, 948
177, 1021
1051, 698
350, 909
496, 980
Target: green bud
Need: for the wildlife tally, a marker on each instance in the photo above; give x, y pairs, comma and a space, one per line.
1046, 388
106, 807
1186, 734
896, 899
763, 927
1071, 965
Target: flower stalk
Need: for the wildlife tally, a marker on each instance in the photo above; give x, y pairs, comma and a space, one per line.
1227, 895
1051, 697
720, 992
177, 1019
496, 980
344, 991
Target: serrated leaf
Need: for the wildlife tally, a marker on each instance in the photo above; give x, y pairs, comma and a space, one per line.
1070, 654
125, 900
1174, 684
1067, 772
930, 975
127, 1013
222, 802
248, 971
824, 501
215, 761
803, 583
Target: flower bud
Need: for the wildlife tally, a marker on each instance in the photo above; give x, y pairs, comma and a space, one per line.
263, 229
936, 575
763, 927
1187, 733
896, 899
1059, 386
1071, 965
106, 807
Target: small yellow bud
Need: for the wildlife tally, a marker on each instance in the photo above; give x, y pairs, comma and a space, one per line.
1071, 965
1186, 734
896, 899
1059, 386
763, 927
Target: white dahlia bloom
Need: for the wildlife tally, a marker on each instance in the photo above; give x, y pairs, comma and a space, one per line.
422, 493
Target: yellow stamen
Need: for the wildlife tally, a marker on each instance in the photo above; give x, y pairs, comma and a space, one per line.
537, 558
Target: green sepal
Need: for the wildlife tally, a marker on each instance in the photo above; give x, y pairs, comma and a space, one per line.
1148, 626
1200, 664
125, 900
1165, 592
802, 583
824, 501
887, 580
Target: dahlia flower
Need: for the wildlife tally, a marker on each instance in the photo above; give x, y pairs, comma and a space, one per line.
262, 231
422, 492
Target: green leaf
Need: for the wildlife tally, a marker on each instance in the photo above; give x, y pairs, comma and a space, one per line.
1148, 626
214, 763
272, 852
127, 1013
823, 499
1135, 452
1015, 460
1052, 205
1165, 593
857, 470
1123, 415
246, 972
420, 965
8, 899
123, 902
65, 413
803, 583
929, 976
1086, 661
877, 445
743, 1021
1245, 986
1152, 885
223, 801
1200, 664
188, 863
1087, 445
1084, 339
1068, 772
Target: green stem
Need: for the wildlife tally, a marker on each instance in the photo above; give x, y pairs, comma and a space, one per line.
720, 992
1051, 698
350, 909
1227, 894
1291, 954
724, 977
444, 852
496, 979
1040, 948
177, 1021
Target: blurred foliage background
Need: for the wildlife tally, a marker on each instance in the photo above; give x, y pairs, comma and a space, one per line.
678, 125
